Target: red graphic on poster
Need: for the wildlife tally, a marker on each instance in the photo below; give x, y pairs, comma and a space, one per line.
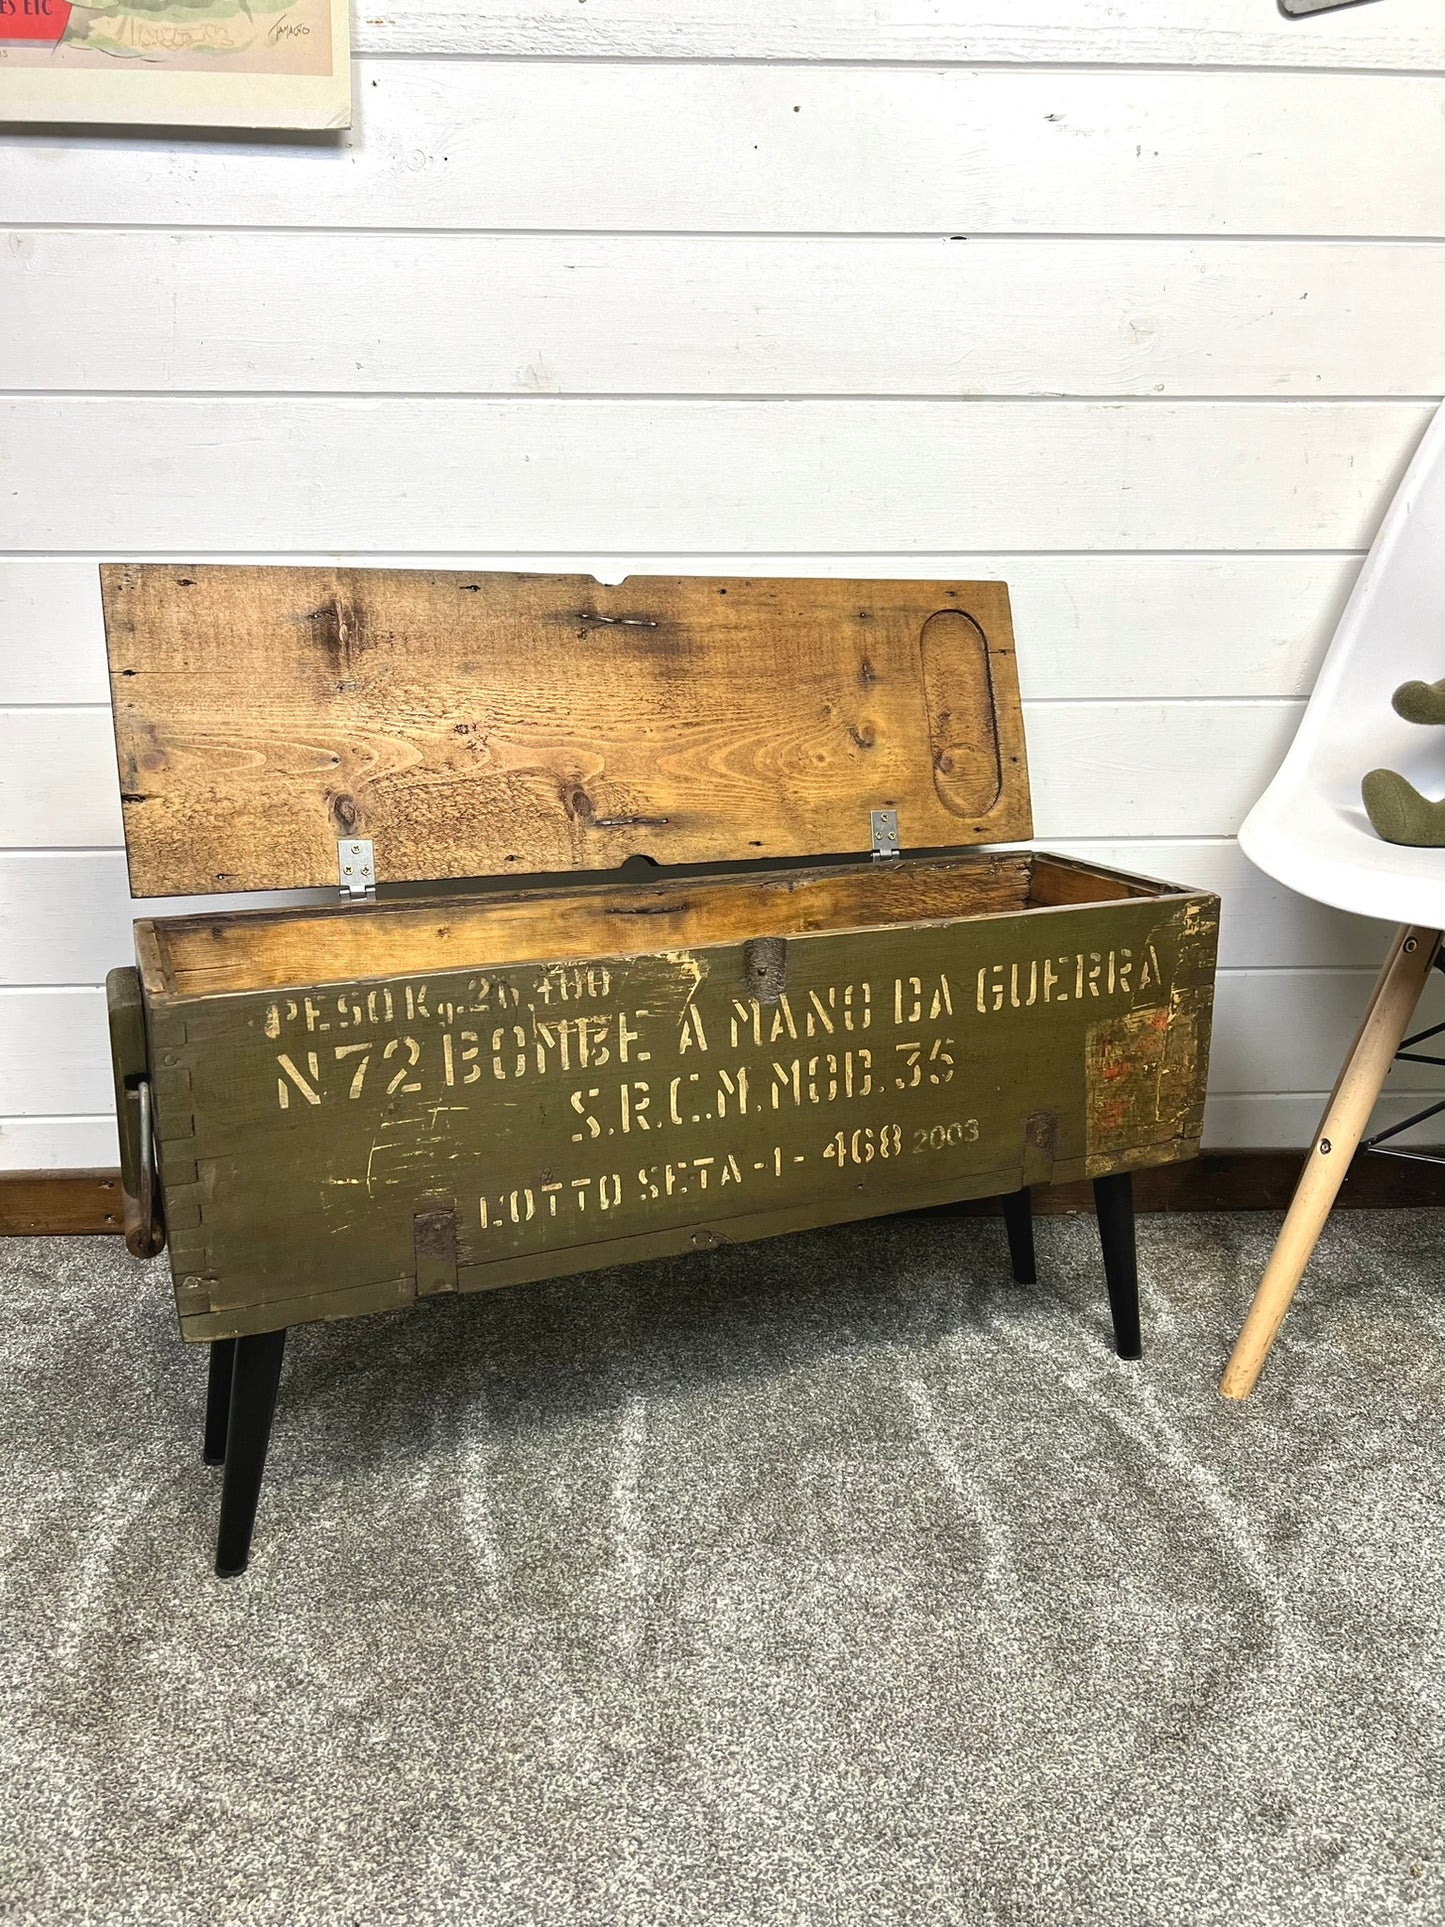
33, 19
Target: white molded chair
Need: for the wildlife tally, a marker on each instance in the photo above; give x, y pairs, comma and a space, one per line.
1309, 830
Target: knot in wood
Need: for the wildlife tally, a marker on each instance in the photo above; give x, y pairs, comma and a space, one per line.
345, 813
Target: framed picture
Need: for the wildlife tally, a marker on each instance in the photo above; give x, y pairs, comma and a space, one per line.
177, 63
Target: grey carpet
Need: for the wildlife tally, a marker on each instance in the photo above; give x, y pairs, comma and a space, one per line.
830, 1581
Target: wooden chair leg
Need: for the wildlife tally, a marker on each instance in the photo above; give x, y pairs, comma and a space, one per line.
255, 1374
1018, 1218
1387, 1017
1114, 1203
218, 1399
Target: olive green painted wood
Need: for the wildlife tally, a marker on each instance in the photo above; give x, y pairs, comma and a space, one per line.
129, 1060
347, 1148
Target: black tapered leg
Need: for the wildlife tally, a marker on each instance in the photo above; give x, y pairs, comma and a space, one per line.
1018, 1218
255, 1374
1114, 1202
218, 1399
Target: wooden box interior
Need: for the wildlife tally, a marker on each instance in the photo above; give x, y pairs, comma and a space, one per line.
231, 952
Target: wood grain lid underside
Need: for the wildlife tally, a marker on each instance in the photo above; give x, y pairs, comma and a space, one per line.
479, 725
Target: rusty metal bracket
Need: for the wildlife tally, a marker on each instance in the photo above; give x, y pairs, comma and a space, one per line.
765, 968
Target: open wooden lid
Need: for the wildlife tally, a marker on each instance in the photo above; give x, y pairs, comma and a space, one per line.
478, 725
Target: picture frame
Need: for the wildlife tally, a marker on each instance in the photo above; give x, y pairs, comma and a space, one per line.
177, 63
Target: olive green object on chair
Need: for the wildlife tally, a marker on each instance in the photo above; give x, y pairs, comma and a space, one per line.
1420, 702
1399, 813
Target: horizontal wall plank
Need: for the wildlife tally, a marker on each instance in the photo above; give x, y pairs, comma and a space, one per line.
162, 474
1407, 33
741, 149
66, 915
58, 779
1185, 769
1166, 626
1098, 770
1280, 1031
697, 314
1287, 1121
52, 638
54, 1053
1289, 1030
59, 1143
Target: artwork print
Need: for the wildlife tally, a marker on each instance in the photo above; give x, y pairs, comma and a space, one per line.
217, 63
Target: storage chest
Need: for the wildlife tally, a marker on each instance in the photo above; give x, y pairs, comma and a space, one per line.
374, 1101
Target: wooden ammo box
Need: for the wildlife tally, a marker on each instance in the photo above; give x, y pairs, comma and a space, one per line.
394, 1096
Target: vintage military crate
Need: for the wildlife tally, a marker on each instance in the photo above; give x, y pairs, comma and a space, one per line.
370, 1102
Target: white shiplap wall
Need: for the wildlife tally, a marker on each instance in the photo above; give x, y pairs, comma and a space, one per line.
1142, 312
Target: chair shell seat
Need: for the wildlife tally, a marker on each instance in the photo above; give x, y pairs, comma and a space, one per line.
1309, 829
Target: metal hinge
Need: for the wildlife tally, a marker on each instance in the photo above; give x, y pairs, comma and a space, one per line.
356, 867
885, 834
